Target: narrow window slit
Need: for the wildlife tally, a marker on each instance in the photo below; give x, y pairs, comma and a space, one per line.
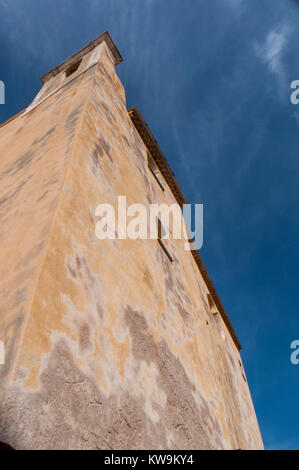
154, 170
161, 233
212, 305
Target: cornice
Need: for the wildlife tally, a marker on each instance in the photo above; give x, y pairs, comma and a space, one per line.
156, 153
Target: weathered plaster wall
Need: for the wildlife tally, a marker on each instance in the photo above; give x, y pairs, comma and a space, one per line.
34, 153
116, 347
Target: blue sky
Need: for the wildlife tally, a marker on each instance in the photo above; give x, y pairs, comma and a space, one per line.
212, 79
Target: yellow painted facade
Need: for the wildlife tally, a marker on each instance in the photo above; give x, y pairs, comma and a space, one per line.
108, 345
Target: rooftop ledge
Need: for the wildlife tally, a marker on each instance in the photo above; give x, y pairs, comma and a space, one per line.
82, 52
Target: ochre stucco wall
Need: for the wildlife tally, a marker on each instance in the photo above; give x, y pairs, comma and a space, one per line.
108, 344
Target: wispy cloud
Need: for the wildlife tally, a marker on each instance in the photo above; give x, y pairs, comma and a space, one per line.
271, 51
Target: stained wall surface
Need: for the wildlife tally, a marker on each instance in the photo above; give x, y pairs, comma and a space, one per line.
108, 344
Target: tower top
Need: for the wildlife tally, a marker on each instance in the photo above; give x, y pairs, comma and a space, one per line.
82, 52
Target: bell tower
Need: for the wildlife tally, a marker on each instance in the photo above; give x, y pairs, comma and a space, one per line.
109, 344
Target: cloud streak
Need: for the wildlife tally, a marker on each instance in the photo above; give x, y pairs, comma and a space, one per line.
271, 52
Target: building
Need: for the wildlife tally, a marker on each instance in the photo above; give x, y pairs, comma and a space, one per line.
109, 344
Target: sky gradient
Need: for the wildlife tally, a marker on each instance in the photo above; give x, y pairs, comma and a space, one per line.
212, 80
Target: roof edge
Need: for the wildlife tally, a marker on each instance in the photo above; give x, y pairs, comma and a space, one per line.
155, 151
79, 54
